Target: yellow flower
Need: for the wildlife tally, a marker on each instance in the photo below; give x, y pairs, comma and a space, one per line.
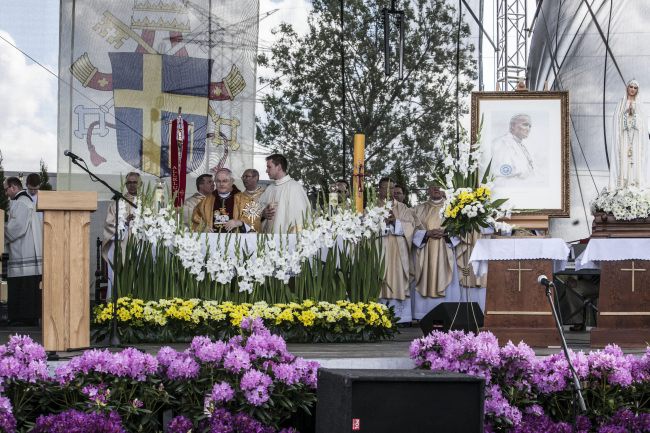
307, 317
123, 314
286, 315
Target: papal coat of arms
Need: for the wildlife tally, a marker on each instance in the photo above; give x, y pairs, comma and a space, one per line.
161, 58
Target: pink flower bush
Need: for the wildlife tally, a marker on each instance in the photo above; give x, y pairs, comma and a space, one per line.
522, 391
248, 379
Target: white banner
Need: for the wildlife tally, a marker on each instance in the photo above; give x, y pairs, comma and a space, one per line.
132, 63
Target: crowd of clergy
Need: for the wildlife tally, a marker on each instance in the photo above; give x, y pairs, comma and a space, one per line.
419, 259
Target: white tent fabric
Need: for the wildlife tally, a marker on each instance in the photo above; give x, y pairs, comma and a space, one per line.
569, 52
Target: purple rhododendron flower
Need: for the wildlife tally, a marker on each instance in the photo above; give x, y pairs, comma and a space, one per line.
221, 392
206, 351
183, 367
255, 385
131, 363
223, 421
237, 360
77, 421
179, 424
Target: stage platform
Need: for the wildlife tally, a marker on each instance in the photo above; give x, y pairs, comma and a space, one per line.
385, 355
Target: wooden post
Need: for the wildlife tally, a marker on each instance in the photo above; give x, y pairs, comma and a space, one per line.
66, 268
358, 171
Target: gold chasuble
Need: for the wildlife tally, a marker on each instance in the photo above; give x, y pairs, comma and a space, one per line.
248, 208
213, 211
397, 246
435, 260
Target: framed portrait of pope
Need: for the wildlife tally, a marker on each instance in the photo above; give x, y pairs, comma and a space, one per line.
524, 140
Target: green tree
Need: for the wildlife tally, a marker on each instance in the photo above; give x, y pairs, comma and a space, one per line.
402, 118
45, 178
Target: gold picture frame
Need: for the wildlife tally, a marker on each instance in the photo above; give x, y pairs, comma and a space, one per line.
525, 137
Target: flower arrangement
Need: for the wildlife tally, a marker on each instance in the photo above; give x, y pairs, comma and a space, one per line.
309, 321
529, 394
470, 209
625, 203
469, 205
164, 259
251, 378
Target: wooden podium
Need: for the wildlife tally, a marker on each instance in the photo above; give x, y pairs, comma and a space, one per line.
516, 307
66, 267
624, 304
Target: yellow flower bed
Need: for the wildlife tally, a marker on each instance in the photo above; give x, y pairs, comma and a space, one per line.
370, 320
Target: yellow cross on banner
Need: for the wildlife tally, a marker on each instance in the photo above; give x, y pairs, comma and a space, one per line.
153, 101
519, 269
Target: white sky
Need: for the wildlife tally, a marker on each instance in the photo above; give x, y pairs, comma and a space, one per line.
28, 113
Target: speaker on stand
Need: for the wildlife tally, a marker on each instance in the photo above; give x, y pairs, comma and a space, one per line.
462, 316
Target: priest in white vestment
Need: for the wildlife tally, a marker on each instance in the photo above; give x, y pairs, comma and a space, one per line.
434, 258
133, 184
204, 187
397, 241
284, 202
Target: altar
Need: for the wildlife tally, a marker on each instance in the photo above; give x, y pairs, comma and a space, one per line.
624, 301
516, 307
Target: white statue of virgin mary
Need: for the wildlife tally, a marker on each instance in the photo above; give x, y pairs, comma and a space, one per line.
629, 154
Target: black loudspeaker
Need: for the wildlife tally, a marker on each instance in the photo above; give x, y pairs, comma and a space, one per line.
468, 315
398, 401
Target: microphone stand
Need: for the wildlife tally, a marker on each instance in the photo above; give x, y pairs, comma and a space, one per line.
114, 340
578, 400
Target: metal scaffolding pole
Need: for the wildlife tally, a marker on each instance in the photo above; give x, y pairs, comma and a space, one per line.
512, 54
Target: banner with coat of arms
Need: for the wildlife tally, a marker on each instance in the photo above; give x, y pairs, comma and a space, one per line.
137, 67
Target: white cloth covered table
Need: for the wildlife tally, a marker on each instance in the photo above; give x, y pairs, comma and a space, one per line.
554, 249
599, 250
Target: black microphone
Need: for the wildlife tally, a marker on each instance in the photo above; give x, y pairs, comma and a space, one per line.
72, 155
544, 281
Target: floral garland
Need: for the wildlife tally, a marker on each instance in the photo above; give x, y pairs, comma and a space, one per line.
180, 319
624, 203
272, 260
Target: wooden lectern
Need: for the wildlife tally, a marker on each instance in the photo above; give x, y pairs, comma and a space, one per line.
66, 268
516, 307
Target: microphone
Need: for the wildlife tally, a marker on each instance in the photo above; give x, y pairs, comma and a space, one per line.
544, 281
72, 155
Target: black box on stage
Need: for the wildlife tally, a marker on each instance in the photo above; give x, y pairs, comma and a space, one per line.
398, 401
469, 317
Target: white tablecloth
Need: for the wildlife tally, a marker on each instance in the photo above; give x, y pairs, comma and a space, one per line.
518, 249
599, 250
